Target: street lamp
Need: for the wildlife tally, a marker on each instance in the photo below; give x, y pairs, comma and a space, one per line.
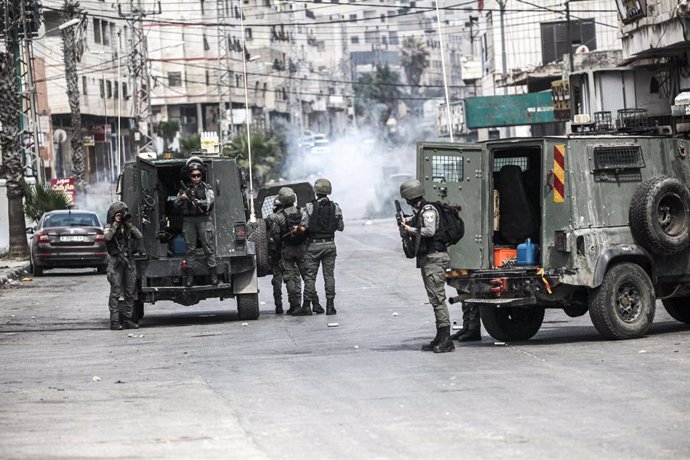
71, 23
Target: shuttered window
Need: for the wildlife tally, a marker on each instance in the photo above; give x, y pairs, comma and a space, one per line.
554, 38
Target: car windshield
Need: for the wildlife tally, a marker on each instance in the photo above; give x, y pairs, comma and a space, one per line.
71, 220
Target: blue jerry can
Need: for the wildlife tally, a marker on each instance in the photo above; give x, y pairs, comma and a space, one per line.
527, 253
179, 246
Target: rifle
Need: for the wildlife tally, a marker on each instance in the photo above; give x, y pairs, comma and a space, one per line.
121, 258
188, 191
409, 245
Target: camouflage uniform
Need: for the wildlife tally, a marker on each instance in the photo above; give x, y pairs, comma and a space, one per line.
198, 223
274, 260
322, 218
291, 257
121, 268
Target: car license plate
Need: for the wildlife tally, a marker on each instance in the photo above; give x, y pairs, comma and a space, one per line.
71, 238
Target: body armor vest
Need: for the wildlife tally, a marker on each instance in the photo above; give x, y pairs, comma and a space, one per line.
198, 193
322, 223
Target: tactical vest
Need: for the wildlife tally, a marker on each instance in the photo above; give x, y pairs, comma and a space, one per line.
119, 243
198, 193
291, 219
322, 222
428, 244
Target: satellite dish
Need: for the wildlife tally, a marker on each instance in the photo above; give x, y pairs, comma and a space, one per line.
582, 49
59, 136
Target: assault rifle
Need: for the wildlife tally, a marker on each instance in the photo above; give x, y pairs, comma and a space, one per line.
188, 191
122, 253
408, 243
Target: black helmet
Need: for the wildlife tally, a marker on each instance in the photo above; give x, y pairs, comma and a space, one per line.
194, 164
411, 189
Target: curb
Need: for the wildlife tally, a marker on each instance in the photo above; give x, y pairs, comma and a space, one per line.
13, 274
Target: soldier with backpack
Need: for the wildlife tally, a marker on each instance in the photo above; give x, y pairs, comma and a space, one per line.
322, 218
286, 230
431, 238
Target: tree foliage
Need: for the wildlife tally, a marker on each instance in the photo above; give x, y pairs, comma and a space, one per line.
267, 157
39, 200
188, 144
378, 94
415, 60
168, 129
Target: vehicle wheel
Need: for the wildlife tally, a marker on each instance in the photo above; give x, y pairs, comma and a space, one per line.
659, 215
623, 306
36, 270
102, 269
138, 312
248, 306
512, 324
678, 308
260, 238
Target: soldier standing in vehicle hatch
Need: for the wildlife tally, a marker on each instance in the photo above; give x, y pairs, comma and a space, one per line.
322, 218
196, 200
432, 258
118, 234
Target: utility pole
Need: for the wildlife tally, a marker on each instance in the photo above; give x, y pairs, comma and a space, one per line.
504, 69
225, 73
570, 35
140, 76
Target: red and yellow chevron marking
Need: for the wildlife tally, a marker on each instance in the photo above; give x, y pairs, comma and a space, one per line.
559, 173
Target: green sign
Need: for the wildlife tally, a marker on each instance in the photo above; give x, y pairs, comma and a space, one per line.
509, 110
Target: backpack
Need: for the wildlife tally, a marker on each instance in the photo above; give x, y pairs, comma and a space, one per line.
451, 227
288, 237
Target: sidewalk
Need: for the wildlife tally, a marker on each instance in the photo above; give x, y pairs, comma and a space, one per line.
11, 269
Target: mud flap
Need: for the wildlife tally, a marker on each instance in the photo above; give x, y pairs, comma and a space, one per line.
245, 282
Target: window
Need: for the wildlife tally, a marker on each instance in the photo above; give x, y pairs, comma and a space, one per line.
248, 34
116, 90
208, 78
554, 38
125, 95
174, 79
84, 86
354, 39
201, 3
97, 30
101, 84
446, 168
107, 29
206, 47
353, 17
383, 18
109, 89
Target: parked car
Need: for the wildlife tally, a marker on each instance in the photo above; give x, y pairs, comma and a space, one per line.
68, 239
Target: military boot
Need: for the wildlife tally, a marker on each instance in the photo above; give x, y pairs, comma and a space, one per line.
115, 326
445, 343
316, 307
469, 335
304, 311
213, 276
465, 326
279, 308
295, 307
330, 307
129, 324
430, 346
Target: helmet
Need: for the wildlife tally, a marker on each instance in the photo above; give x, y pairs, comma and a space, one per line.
286, 196
194, 164
118, 206
411, 189
322, 187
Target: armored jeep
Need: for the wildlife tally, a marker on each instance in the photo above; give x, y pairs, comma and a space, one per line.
149, 187
587, 223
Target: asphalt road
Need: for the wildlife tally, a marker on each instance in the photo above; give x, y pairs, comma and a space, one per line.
195, 382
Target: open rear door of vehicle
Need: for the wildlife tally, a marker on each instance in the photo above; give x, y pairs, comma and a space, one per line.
455, 174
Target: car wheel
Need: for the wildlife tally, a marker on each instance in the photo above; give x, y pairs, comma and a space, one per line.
623, 306
678, 308
248, 306
513, 324
659, 215
35, 269
260, 238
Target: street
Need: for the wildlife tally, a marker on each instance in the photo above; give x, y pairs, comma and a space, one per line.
195, 382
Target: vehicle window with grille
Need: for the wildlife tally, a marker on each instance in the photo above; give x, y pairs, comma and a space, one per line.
446, 168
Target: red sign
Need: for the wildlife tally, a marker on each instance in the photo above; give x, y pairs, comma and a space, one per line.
65, 186
101, 133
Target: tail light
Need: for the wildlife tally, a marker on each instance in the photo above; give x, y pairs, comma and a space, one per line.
100, 237
43, 237
240, 233
183, 265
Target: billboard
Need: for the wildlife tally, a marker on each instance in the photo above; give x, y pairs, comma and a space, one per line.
509, 110
457, 117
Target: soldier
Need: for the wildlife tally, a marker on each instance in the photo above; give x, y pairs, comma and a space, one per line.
432, 258
285, 228
471, 325
274, 258
322, 217
119, 232
196, 200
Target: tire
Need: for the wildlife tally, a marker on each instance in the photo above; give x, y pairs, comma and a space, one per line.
512, 324
659, 215
102, 269
678, 308
623, 306
260, 238
248, 306
35, 269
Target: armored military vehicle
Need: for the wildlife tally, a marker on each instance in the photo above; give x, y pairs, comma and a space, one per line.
149, 187
586, 223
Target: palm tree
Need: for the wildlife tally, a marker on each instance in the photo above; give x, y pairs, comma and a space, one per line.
267, 158
378, 94
39, 200
73, 49
415, 59
11, 168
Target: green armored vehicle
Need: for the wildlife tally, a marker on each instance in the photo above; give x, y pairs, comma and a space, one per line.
587, 223
149, 187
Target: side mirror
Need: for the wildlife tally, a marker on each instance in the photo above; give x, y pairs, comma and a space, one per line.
30, 230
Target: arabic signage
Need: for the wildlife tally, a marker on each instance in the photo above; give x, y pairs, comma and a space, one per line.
66, 186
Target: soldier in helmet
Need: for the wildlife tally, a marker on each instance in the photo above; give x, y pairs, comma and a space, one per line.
321, 217
196, 199
432, 258
119, 233
274, 258
286, 230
